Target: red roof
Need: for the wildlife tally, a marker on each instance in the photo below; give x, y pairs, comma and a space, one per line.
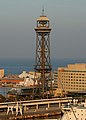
11, 80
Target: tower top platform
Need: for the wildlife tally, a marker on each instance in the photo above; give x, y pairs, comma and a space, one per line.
43, 18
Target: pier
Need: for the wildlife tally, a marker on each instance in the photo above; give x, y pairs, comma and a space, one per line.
32, 108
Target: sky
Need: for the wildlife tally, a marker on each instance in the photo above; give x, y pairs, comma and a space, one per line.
18, 20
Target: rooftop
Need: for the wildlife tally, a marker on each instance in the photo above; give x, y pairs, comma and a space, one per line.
43, 18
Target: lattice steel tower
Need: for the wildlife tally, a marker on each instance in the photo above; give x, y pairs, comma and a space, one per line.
43, 62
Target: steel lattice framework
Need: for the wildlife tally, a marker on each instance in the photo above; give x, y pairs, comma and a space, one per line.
42, 61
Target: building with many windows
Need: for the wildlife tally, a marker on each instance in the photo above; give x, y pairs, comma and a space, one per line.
72, 78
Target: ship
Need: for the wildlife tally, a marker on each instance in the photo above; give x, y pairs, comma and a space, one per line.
74, 111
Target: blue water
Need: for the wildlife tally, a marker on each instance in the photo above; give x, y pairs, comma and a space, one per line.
16, 66
4, 90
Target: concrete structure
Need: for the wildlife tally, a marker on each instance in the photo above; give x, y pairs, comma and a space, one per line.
32, 109
37, 103
72, 78
1, 72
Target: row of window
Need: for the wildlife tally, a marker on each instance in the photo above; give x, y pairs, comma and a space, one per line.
73, 82
73, 73
65, 79
63, 76
68, 88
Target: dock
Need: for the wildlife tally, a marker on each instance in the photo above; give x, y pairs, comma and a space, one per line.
32, 109
37, 114
31, 114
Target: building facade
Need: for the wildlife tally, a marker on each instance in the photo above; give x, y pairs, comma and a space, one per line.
72, 78
55, 79
1, 72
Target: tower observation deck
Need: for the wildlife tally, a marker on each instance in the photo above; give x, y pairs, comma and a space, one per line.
43, 61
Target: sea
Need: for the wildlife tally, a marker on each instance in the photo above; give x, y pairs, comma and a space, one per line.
17, 66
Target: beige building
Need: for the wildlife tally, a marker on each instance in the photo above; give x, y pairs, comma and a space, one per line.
72, 78
55, 78
1, 72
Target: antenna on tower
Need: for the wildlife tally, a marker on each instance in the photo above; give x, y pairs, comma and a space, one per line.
43, 10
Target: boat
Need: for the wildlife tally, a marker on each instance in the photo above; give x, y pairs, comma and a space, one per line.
75, 111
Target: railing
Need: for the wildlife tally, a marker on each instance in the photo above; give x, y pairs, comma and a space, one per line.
37, 102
